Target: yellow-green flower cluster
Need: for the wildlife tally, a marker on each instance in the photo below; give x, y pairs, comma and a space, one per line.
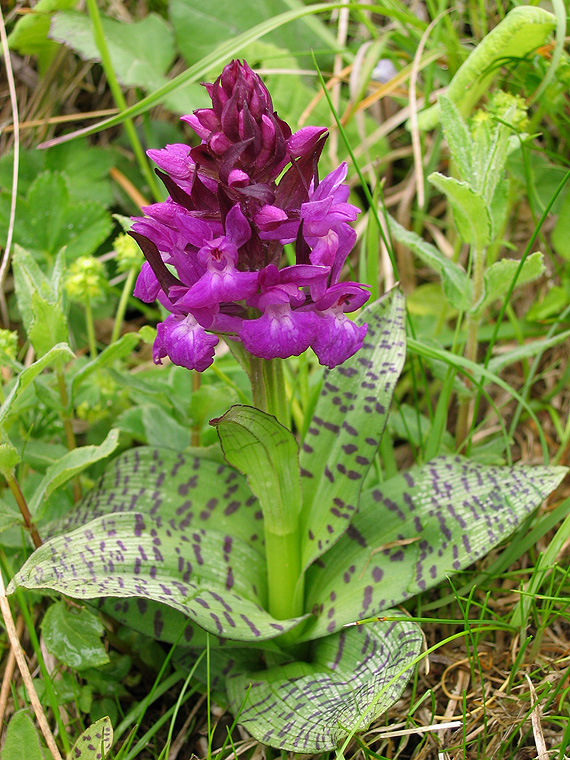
9, 343
128, 253
85, 279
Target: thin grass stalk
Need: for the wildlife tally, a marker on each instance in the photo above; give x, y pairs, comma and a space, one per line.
4, 266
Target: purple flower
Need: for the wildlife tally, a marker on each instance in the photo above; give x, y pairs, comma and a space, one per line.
214, 249
185, 341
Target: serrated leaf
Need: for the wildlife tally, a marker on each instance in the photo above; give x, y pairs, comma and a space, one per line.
74, 636
140, 52
353, 677
347, 426
416, 529
498, 278
524, 29
49, 325
470, 210
56, 355
456, 284
95, 742
72, 463
261, 448
22, 733
458, 138
214, 578
29, 280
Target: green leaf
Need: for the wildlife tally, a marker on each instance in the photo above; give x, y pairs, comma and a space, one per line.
416, 529
140, 52
470, 210
456, 284
56, 355
70, 465
264, 450
346, 428
216, 579
118, 350
200, 27
49, 219
9, 457
9, 516
458, 138
95, 742
561, 233
49, 325
523, 30
30, 33
354, 676
181, 530
22, 734
29, 280
162, 430
498, 278
74, 636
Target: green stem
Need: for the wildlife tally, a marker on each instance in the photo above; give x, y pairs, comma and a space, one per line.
68, 428
122, 307
276, 395
119, 98
473, 321
90, 329
283, 555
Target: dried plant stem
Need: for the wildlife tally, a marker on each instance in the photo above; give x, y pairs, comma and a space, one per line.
23, 507
25, 671
464, 418
5, 264
9, 672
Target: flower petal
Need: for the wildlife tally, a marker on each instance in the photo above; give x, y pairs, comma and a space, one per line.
185, 342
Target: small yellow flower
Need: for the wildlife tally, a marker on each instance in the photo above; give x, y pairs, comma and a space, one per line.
128, 253
85, 278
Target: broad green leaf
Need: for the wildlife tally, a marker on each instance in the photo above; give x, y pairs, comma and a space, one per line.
470, 210
56, 355
49, 219
22, 734
9, 457
264, 450
95, 742
72, 463
74, 636
353, 677
498, 278
200, 27
30, 33
456, 284
346, 428
216, 579
523, 30
49, 325
458, 138
140, 52
9, 516
554, 302
416, 529
162, 430
117, 350
28, 280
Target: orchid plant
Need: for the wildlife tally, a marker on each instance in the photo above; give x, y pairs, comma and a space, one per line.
263, 551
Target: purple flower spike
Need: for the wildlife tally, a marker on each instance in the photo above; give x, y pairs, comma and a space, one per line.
215, 247
185, 342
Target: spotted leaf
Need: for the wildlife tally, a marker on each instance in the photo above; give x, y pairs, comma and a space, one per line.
416, 529
185, 490
347, 426
352, 677
216, 579
95, 742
